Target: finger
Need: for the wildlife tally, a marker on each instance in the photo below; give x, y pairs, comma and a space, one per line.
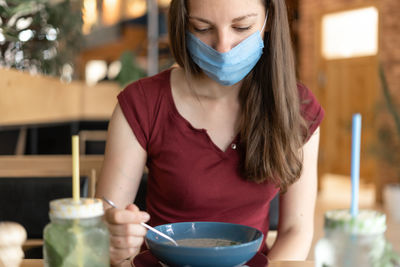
126, 242
119, 255
127, 229
116, 216
132, 207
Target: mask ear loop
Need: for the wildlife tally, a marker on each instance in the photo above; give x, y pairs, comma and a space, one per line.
265, 21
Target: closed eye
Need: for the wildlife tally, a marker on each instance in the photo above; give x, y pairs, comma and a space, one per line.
201, 30
242, 29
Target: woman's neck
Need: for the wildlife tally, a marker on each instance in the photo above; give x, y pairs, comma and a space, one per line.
208, 89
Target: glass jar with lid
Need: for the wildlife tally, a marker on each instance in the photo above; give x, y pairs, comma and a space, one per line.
76, 235
354, 241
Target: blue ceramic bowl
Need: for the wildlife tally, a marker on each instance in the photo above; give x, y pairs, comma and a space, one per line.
249, 241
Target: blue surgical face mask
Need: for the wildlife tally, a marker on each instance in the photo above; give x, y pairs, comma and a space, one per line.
230, 67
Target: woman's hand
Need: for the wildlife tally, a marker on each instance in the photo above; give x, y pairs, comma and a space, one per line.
126, 232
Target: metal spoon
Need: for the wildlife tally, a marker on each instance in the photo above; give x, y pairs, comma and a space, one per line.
144, 224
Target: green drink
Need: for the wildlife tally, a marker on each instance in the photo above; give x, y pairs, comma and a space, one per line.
355, 241
76, 235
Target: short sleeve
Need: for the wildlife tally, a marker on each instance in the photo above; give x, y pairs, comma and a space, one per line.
311, 110
132, 101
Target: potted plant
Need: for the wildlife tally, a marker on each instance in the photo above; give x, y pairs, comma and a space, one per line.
41, 36
389, 150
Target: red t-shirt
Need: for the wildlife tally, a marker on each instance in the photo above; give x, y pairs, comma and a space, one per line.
190, 178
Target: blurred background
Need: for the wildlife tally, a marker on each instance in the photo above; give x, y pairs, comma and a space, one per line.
62, 63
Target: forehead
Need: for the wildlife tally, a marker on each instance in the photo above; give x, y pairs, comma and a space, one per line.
224, 9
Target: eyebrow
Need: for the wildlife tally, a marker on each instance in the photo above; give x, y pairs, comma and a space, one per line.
234, 20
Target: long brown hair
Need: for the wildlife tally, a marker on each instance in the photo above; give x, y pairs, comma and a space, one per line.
272, 130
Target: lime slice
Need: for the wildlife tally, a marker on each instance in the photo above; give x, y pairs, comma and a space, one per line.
367, 222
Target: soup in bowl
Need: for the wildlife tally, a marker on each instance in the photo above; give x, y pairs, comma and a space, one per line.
205, 244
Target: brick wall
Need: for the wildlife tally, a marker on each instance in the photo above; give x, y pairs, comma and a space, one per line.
389, 37
389, 47
390, 43
389, 55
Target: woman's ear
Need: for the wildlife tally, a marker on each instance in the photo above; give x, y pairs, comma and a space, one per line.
268, 25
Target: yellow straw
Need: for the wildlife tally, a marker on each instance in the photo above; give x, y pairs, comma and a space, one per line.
75, 168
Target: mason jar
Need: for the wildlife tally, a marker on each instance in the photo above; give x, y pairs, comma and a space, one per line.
354, 241
76, 235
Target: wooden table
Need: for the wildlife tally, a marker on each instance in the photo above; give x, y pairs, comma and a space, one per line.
291, 264
32, 263
39, 263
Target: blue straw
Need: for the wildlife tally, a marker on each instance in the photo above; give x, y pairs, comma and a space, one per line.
355, 163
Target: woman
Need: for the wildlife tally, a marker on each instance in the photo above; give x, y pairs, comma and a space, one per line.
221, 134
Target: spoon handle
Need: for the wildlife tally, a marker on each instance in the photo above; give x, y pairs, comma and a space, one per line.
159, 233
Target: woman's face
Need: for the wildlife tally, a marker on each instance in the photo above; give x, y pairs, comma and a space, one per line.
222, 24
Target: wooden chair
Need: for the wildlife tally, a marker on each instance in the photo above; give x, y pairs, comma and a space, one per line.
87, 136
49, 166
